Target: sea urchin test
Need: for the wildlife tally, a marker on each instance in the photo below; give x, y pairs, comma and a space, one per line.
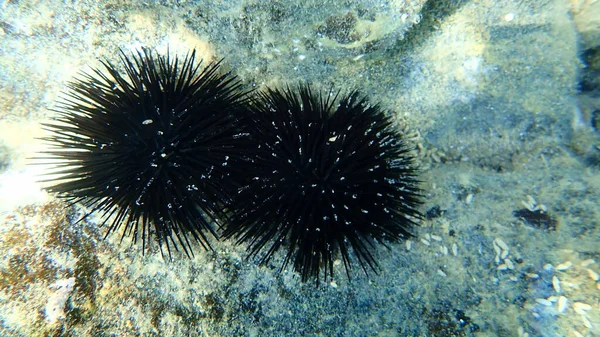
327, 177
150, 145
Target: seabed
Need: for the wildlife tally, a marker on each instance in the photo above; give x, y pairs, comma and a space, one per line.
501, 99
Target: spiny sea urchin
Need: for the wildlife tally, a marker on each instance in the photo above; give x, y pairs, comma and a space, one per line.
327, 177
151, 147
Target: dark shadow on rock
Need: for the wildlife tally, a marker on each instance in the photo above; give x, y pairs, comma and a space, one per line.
433, 13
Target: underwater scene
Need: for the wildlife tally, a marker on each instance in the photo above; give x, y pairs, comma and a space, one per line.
300, 168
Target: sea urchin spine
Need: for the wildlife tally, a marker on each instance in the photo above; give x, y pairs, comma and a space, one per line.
151, 147
326, 177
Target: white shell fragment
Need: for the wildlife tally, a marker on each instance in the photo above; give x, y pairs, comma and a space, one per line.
564, 265
593, 275
501, 244
532, 205
544, 301
581, 307
502, 252
522, 332
498, 252
562, 304
436, 237
556, 284
444, 250
509, 264
586, 322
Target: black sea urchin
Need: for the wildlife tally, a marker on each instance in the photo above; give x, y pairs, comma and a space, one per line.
327, 177
150, 148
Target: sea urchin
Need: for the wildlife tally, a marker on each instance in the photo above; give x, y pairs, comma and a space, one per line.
150, 146
327, 177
